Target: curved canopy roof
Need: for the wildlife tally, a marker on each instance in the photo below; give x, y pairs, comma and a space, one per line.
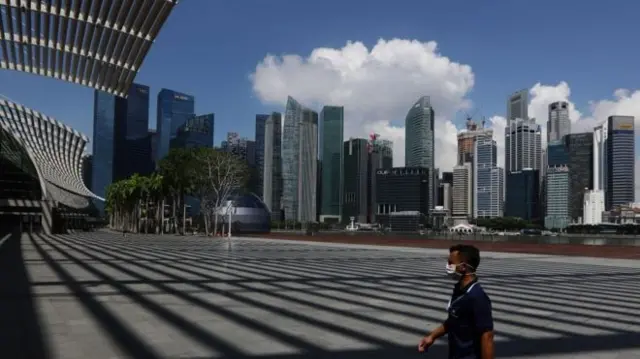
56, 150
96, 43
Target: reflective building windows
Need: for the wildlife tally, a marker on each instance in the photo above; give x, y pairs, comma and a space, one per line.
299, 162
173, 111
195, 132
620, 161
104, 115
332, 145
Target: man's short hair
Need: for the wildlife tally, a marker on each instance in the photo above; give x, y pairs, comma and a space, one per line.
470, 254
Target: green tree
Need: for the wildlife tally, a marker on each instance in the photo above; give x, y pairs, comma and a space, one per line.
220, 174
177, 170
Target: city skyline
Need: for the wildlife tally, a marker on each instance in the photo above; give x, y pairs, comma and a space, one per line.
225, 90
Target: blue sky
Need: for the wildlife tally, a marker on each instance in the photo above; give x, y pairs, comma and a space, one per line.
209, 48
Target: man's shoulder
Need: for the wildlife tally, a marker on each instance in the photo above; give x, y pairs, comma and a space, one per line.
478, 292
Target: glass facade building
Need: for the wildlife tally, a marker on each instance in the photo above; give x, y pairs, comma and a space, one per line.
419, 145
104, 118
580, 149
132, 150
557, 153
557, 200
523, 195
121, 141
403, 189
299, 162
261, 121
523, 146
488, 180
272, 173
355, 183
419, 141
332, 157
174, 109
559, 124
195, 132
620, 161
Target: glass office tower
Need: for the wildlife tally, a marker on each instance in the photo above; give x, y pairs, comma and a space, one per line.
299, 162
121, 142
332, 152
132, 142
620, 161
174, 109
104, 115
261, 121
197, 131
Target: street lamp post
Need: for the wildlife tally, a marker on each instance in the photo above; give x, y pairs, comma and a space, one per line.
229, 211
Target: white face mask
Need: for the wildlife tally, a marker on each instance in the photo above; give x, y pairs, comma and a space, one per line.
451, 271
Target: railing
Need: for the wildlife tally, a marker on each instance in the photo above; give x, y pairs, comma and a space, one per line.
581, 239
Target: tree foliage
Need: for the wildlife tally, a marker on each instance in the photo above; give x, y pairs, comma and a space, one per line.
138, 203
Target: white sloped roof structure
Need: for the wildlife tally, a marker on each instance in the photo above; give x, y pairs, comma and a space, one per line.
95, 43
55, 149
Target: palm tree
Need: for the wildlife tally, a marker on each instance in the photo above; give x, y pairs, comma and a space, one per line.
177, 169
157, 192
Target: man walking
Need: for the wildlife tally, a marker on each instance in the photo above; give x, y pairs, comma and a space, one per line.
469, 324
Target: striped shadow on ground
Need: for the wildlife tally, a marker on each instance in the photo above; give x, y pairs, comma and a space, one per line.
102, 295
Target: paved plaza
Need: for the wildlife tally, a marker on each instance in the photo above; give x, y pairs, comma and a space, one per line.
101, 295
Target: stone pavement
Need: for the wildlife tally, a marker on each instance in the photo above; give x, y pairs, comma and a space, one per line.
99, 295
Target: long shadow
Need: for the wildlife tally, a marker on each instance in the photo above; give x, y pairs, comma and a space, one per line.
21, 332
515, 347
576, 343
97, 248
124, 337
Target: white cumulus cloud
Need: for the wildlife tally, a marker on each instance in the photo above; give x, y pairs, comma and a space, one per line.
377, 87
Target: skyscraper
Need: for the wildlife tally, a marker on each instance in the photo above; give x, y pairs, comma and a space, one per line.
299, 162
467, 139
380, 155
173, 111
419, 144
121, 144
272, 168
557, 179
523, 145
261, 121
488, 180
419, 141
580, 150
132, 144
517, 106
463, 184
559, 124
332, 149
523, 196
594, 200
620, 161
104, 117
197, 131
355, 192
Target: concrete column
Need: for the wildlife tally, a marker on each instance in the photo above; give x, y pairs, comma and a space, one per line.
47, 217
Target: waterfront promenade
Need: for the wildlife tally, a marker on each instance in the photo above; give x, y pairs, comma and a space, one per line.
101, 295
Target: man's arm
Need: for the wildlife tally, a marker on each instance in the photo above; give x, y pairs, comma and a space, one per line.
483, 320
439, 331
486, 344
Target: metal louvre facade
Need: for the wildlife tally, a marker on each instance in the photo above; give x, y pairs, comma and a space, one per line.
95, 43
55, 149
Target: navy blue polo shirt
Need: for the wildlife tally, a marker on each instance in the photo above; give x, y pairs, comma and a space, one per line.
469, 317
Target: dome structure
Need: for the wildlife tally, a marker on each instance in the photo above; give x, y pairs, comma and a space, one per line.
248, 213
